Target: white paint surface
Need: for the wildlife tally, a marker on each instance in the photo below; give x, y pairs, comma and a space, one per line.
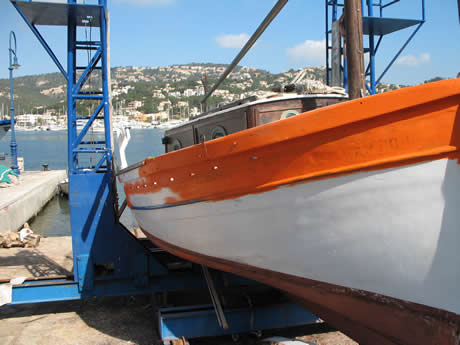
395, 232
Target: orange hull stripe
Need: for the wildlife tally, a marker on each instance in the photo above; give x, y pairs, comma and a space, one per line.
437, 153
396, 128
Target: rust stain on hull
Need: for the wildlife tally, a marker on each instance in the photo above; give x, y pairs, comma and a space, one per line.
367, 317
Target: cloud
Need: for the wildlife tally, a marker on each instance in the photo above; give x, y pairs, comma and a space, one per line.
147, 2
311, 51
232, 41
413, 61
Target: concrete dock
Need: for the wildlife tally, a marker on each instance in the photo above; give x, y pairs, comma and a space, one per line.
21, 202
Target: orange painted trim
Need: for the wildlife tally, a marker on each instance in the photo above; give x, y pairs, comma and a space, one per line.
367, 317
387, 130
438, 153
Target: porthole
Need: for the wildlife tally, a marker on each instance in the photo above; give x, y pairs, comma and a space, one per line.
176, 145
218, 132
288, 113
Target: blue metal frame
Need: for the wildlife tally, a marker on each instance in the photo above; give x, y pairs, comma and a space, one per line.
106, 255
108, 259
384, 25
190, 322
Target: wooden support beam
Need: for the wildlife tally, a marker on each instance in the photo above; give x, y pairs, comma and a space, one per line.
354, 48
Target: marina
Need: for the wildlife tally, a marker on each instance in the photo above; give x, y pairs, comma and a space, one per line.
305, 206
44, 147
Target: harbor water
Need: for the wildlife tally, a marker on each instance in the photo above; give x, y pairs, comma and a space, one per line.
50, 147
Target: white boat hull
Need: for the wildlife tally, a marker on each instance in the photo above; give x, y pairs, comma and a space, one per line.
393, 232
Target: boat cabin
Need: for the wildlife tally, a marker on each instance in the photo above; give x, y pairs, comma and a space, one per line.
243, 114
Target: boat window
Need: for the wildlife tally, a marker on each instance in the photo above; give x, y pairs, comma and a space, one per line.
218, 132
269, 115
288, 113
176, 145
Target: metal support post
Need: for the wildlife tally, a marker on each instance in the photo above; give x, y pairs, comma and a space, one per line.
370, 10
13, 65
71, 102
215, 299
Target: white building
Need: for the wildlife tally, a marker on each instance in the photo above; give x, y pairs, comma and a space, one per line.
200, 91
189, 93
164, 104
174, 94
32, 120
158, 94
135, 104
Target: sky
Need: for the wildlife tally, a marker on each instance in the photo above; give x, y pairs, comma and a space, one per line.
154, 33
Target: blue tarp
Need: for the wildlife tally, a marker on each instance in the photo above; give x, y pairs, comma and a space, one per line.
5, 173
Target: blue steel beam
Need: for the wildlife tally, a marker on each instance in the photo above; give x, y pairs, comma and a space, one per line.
388, 4
88, 124
201, 321
399, 52
37, 292
105, 89
88, 150
370, 12
99, 165
90, 43
89, 69
41, 40
66, 290
86, 96
327, 43
71, 101
375, 26
375, 50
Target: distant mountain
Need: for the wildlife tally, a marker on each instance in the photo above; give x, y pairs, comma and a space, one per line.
151, 86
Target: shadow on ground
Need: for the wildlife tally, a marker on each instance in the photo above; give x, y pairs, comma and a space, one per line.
35, 263
105, 321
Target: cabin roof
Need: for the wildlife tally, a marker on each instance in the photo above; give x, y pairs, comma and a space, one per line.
260, 101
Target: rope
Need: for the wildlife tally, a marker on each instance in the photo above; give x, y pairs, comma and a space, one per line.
309, 86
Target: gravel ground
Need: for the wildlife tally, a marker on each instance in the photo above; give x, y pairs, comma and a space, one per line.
113, 321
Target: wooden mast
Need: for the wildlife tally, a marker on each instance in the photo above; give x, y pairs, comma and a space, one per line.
354, 48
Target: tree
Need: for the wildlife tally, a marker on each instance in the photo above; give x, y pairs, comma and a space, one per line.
433, 79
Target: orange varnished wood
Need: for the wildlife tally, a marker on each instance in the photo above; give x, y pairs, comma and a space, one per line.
391, 129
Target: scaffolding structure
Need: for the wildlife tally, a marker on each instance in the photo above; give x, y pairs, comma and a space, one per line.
376, 26
108, 259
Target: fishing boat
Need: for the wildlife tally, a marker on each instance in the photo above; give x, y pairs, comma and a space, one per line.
350, 207
4, 127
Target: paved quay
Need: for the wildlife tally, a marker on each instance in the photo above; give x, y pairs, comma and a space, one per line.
19, 203
52, 257
103, 320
